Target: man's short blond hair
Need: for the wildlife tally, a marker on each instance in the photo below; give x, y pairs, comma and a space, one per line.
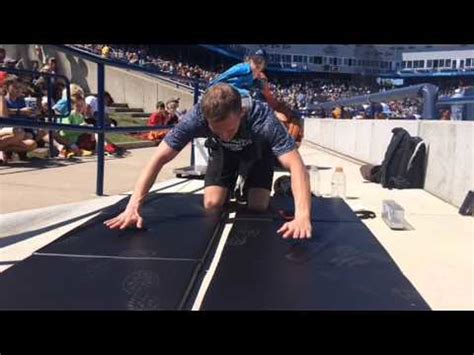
219, 101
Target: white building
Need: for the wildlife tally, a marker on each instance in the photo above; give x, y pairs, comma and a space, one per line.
365, 59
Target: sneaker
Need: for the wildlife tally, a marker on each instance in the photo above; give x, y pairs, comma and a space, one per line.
86, 153
39, 153
14, 157
23, 156
241, 199
111, 148
121, 152
3, 158
66, 154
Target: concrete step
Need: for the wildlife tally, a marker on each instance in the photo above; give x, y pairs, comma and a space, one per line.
132, 114
125, 109
141, 114
119, 104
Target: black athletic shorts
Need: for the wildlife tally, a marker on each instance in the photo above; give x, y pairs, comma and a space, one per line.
223, 170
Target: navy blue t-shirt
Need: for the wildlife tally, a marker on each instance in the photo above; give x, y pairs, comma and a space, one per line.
16, 104
261, 123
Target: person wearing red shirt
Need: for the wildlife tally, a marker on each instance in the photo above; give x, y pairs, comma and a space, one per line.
158, 118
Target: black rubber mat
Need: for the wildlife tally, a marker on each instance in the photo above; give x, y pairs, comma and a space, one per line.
343, 267
71, 283
322, 209
92, 267
175, 227
163, 204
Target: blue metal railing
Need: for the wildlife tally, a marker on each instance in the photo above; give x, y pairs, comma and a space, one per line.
100, 127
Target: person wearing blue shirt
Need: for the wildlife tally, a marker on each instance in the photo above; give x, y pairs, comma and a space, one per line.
245, 77
249, 80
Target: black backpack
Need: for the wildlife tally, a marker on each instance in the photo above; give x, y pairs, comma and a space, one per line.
403, 166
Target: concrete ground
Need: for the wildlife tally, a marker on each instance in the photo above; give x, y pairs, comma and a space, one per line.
42, 183
436, 255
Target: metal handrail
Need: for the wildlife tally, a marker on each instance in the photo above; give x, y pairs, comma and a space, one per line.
100, 128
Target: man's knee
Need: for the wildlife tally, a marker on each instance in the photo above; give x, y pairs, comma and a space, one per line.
213, 203
19, 133
214, 197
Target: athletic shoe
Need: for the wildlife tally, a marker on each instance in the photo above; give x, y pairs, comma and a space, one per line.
39, 153
111, 148
86, 153
66, 154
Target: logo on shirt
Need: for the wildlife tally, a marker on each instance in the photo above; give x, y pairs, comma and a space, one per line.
236, 145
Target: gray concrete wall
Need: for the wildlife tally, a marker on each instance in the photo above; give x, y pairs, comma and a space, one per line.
137, 89
450, 171
450, 166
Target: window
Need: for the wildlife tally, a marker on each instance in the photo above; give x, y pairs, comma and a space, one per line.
304, 59
441, 63
447, 63
468, 62
286, 58
404, 64
461, 65
297, 58
429, 63
422, 63
435, 63
346, 61
409, 64
318, 60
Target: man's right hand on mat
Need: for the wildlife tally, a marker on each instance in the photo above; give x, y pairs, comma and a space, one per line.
128, 218
298, 228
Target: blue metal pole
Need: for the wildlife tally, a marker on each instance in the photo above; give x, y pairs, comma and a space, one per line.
100, 124
196, 99
50, 115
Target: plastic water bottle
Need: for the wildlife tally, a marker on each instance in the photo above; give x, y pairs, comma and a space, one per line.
314, 180
338, 183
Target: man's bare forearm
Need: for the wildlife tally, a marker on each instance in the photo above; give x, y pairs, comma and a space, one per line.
145, 182
301, 191
149, 174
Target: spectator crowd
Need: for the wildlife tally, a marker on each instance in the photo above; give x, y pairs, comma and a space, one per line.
27, 96
298, 94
